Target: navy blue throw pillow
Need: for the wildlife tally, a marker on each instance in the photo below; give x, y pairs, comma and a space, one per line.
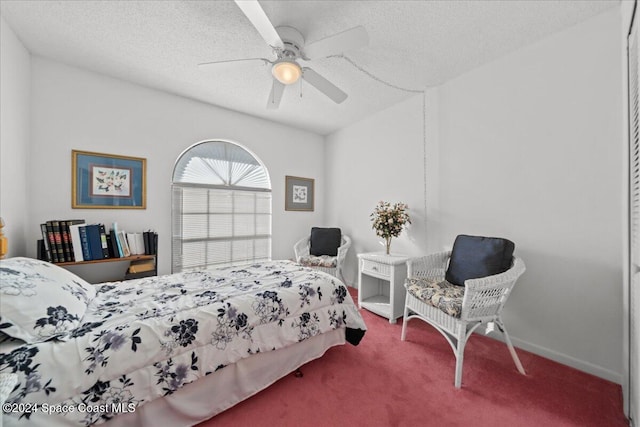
325, 241
473, 257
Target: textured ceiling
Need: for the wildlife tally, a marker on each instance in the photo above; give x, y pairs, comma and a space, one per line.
413, 44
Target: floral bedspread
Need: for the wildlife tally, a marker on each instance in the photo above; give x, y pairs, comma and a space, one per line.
146, 338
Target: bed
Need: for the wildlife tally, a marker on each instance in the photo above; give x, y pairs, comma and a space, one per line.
167, 350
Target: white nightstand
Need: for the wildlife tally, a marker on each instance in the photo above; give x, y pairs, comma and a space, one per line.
381, 283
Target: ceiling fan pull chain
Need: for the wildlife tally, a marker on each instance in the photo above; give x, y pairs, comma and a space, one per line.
300, 88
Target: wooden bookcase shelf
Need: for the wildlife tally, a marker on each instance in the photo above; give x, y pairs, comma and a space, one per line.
96, 261
109, 269
65, 240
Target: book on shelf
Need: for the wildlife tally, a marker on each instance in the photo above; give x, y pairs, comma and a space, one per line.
76, 241
147, 244
116, 239
122, 240
103, 241
57, 235
40, 250
55, 240
94, 241
64, 238
52, 241
84, 240
142, 266
136, 243
150, 239
154, 246
67, 242
46, 243
112, 245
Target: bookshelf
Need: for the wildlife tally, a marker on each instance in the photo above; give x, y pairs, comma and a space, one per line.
96, 261
109, 269
97, 254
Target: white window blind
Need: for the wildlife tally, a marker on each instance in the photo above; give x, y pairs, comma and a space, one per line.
221, 208
634, 154
631, 366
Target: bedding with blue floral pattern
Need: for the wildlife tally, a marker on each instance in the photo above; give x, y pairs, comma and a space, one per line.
143, 339
39, 300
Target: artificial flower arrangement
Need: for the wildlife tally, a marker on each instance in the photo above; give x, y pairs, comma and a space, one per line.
388, 220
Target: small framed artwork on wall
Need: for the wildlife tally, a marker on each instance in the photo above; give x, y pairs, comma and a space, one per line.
107, 181
299, 194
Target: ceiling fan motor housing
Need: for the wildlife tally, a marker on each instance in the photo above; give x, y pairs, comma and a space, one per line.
293, 42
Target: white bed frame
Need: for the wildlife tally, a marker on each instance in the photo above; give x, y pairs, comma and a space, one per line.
210, 395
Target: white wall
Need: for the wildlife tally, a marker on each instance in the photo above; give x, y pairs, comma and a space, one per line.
530, 150
76, 109
527, 147
15, 70
382, 158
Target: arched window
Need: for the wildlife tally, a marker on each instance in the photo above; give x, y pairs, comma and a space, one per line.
221, 207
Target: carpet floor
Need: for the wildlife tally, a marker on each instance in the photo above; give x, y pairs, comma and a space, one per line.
388, 382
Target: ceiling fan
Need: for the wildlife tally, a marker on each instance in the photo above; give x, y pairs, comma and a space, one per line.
289, 46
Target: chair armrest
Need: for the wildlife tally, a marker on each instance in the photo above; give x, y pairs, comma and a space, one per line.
343, 249
301, 248
484, 297
430, 266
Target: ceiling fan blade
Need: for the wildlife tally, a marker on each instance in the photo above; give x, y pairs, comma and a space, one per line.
324, 85
232, 61
276, 95
254, 12
337, 43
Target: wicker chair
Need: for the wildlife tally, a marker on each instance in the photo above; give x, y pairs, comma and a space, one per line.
331, 265
482, 302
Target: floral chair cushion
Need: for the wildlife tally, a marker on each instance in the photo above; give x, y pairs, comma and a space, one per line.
325, 261
40, 300
438, 293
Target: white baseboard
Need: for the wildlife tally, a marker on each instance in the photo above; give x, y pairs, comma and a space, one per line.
573, 362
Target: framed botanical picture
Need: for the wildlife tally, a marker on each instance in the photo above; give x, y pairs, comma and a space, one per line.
299, 194
107, 181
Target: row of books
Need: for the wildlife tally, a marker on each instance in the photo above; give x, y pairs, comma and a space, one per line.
74, 240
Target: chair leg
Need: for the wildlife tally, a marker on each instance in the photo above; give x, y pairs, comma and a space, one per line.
405, 320
462, 341
512, 350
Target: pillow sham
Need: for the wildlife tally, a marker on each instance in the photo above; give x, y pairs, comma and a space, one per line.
325, 241
40, 300
477, 256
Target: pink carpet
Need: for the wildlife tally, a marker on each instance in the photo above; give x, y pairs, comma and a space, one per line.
387, 382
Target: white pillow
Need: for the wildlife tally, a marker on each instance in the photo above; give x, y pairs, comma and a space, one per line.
39, 300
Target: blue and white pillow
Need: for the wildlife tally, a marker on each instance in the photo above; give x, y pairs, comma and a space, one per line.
40, 300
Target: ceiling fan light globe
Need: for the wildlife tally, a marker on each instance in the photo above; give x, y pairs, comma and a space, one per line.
286, 72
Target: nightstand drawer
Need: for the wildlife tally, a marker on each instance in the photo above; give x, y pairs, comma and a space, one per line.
376, 268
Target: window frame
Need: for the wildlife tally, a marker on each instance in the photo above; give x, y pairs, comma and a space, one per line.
178, 217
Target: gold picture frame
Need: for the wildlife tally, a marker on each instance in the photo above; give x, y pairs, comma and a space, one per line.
107, 181
299, 194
